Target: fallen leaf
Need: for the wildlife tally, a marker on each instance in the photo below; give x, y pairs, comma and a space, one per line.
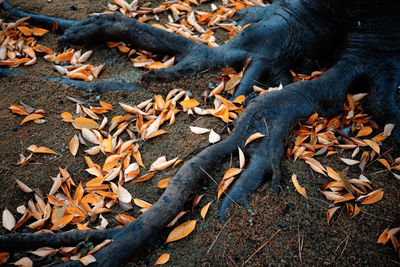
163, 183
41, 149
156, 166
31, 117
385, 163
350, 161
124, 219
124, 195
190, 103
333, 174
330, 212
253, 137
156, 65
204, 210
214, 137
141, 203
181, 231
198, 130
81, 122
100, 246
373, 197
387, 131
231, 172
44, 252
88, 259
23, 186
63, 221
365, 131
299, 188
373, 145
74, 145
4, 256
8, 220
164, 258
24, 262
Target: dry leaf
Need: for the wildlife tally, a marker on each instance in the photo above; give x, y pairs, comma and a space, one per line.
141, 203
163, 183
164, 258
253, 137
31, 117
124, 195
4, 256
88, 259
74, 145
373, 197
333, 174
24, 262
81, 122
100, 246
299, 188
44, 252
8, 220
41, 149
231, 172
23, 186
159, 165
241, 158
330, 212
373, 145
204, 210
365, 131
387, 131
190, 103
350, 161
181, 231
124, 219
214, 137
198, 130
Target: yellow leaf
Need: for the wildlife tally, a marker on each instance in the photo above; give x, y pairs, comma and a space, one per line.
41, 149
74, 145
105, 105
373, 145
333, 174
31, 117
253, 137
204, 210
181, 231
81, 122
190, 103
385, 163
373, 197
163, 183
63, 221
124, 219
157, 133
164, 258
66, 56
299, 188
67, 117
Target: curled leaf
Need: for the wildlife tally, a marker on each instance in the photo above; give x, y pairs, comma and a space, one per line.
299, 188
181, 231
253, 137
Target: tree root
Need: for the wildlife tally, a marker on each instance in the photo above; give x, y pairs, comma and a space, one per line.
284, 35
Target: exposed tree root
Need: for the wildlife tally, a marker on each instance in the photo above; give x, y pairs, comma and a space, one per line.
284, 36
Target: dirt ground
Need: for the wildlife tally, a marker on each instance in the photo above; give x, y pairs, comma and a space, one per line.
345, 241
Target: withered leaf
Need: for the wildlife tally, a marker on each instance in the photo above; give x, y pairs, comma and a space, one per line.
330, 212
181, 231
190, 103
44, 252
31, 117
8, 220
204, 210
299, 188
163, 183
164, 258
74, 145
24, 262
213, 137
373, 197
81, 122
253, 137
198, 130
88, 259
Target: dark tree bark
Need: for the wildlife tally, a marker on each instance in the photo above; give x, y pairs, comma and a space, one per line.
358, 39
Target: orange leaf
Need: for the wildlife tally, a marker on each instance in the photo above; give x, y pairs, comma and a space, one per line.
41, 149
157, 133
4, 257
141, 203
385, 163
373, 197
67, 117
67, 56
39, 31
299, 188
111, 162
18, 109
373, 145
204, 210
333, 174
105, 105
81, 122
144, 177
124, 219
31, 117
74, 145
330, 212
163, 183
181, 231
232, 172
190, 103
364, 131
88, 259
164, 258
63, 221
253, 137
156, 65
384, 237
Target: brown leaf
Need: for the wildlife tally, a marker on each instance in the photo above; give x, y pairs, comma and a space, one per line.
373, 145
333, 174
100, 246
181, 231
63, 221
365, 131
387, 131
31, 117
385, 163
253, 137
330, 212
41, 149
124, 219
299, 188
350, 161
384, 237
4, 256
241, 158
74, 145
24, 262
141, 203
44, 252
232, 172
23, 186
163, 183
164, 258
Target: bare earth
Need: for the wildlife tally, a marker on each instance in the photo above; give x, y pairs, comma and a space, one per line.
345, 241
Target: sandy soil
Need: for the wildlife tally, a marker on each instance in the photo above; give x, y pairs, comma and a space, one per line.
345, 241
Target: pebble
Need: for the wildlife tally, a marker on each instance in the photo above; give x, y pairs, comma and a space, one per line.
281, 225
15, 128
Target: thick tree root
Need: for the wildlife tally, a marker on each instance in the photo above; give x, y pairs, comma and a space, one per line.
284, 35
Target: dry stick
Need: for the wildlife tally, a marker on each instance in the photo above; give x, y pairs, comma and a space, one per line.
230, 258
262, 246
372, 215
215, 240
300, 240
266, 127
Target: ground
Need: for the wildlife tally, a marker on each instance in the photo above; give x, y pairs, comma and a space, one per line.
345, 241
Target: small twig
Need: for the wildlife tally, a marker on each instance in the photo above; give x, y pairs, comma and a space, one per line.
372, 215
262, 246
380, 156
230, 258
300, 240
345, 245
215, 240
209, 176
